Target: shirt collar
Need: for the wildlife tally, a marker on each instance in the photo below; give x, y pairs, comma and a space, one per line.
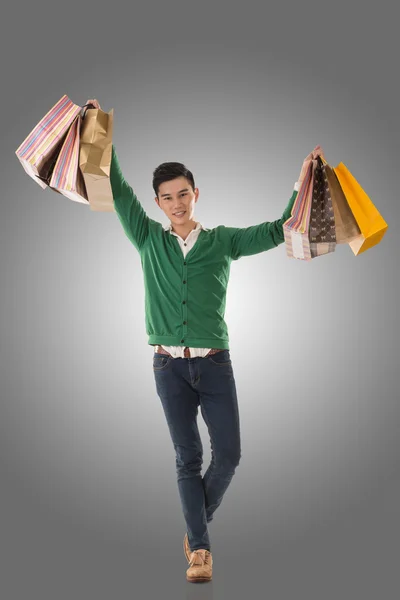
198, 226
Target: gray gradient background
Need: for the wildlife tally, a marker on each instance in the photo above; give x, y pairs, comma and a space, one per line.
240, 94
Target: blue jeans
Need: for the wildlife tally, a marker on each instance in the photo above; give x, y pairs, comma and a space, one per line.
182, 385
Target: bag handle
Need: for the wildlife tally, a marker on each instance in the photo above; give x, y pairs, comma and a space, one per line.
90, 104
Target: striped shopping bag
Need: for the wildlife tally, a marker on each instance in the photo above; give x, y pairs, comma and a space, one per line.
66, 177
38, 152
322, 232
295, 229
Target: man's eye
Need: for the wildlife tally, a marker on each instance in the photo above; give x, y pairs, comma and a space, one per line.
184, 194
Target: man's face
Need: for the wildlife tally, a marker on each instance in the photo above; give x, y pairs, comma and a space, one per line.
177, 195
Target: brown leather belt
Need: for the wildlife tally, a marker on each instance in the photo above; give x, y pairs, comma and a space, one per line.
186, 352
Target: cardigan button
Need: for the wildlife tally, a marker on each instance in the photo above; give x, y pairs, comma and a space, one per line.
184, 322
184, 302
182, 341
184, 262
184, 281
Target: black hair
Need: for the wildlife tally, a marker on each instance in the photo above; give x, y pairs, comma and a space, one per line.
171, 170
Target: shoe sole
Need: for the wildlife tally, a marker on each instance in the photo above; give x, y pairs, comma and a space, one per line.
198, 579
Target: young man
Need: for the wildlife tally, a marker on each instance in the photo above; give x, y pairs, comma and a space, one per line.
186, 272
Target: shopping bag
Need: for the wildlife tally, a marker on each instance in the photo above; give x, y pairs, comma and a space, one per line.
321, 232
371, 223
295, 229
95, 157
66, 177
346, 228
38, 152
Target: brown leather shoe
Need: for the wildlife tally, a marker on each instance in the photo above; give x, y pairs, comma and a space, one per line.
186, 547
200, 566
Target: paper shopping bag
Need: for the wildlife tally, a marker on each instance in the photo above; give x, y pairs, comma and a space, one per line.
346, 227
38, 152
295, 229
95, 158
321, 232
66, 177
371, 223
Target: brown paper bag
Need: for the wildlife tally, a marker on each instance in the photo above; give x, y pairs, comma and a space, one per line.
345, 222
95, 157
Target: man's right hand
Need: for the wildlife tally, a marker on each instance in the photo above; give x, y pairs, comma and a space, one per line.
94, 102
306, 163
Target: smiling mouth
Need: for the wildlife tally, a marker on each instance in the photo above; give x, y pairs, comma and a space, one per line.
180, 214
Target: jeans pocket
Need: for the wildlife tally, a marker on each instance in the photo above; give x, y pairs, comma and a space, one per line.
221, 358
160, 362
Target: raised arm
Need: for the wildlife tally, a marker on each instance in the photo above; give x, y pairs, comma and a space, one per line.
246, 241
130, 212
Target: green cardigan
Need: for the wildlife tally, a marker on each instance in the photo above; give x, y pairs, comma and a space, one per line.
185, 297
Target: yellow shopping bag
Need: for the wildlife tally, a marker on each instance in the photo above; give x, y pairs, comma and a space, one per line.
371, 223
